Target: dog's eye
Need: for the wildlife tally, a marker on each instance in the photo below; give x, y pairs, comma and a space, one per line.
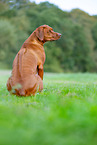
49, 30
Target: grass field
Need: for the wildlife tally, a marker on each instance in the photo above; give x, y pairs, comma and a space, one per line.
65, 113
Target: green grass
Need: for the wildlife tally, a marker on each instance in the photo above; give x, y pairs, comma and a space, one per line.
65, 113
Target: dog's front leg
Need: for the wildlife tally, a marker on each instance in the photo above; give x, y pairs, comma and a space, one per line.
40, 71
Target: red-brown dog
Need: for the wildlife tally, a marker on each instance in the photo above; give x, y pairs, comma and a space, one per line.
27, 73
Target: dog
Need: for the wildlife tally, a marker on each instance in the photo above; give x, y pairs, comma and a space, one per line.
27, 73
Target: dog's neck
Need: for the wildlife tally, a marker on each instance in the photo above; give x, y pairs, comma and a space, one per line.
33, 39
37, 42
33, 42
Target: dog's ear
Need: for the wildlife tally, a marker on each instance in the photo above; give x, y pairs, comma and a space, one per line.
40, 33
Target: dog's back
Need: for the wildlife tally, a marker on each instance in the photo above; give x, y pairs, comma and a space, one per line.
24, 74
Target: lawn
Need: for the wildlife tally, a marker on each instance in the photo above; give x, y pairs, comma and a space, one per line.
65, 113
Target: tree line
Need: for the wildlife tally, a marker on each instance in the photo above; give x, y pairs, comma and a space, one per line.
76, 51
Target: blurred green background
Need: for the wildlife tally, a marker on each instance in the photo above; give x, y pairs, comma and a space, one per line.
76, 51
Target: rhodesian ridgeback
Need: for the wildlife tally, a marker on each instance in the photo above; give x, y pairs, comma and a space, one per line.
27, 73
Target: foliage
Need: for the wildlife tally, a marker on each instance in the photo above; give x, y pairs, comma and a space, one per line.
7, 41
75, 51
64, 113
81, 51
94, 33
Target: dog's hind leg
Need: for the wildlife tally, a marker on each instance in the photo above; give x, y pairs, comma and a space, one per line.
31, 91
9, 86
21, 92
40, 83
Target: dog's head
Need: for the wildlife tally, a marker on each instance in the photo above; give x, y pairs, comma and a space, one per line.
45, 33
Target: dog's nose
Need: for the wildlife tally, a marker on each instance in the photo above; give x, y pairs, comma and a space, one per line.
59, 34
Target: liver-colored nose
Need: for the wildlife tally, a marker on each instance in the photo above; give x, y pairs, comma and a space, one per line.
59, 34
